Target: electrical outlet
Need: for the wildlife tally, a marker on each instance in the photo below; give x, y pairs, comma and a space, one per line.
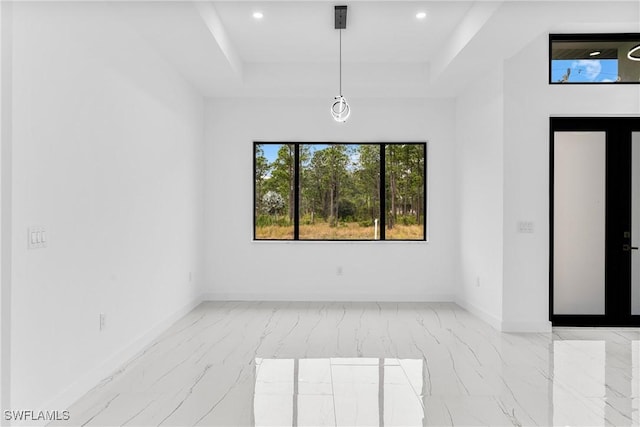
103, 321
339, 270
525, 227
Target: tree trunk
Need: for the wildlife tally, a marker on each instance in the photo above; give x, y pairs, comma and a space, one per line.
335, 194
392, 185
292, 190
331, 205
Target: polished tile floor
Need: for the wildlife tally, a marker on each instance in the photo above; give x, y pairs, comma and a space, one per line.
367, 364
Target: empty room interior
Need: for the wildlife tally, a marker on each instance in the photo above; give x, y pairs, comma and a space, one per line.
312, 213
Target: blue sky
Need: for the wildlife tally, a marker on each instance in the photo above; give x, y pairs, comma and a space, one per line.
585, 70
271, 150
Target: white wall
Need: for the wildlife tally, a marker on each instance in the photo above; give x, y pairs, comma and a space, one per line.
479, 166
108, 147
5, 203
237, 268
529, 101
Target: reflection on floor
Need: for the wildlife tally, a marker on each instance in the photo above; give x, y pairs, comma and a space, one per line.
367, 364
310, 392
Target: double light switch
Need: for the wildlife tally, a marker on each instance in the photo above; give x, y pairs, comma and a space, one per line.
36, 237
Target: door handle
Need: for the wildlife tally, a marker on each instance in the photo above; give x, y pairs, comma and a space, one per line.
628, 248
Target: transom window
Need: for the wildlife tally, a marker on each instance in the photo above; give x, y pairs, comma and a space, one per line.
340, 191
594, 58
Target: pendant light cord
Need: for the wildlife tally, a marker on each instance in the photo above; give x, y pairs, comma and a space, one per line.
340, 62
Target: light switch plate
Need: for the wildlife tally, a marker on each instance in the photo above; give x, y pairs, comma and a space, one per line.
37, 237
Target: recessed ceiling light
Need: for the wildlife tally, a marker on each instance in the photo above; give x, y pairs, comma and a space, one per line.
595, 53
258, 15
421, 15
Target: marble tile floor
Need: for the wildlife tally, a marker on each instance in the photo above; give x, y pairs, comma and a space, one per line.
367, 364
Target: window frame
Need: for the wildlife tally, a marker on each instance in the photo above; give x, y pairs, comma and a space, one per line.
383, 208
588, 37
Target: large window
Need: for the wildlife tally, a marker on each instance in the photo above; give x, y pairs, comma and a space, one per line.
338, 191
594, 58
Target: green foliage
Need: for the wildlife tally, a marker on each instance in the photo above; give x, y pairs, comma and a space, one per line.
346, 209
307, 219
407, 220
261, 171
269, 220
405, 183
281, 180
340, 183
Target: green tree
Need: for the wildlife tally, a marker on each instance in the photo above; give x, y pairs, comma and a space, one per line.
261, 171
392, 169
336, 161
367, 182
405, 183
324, 176
283, 174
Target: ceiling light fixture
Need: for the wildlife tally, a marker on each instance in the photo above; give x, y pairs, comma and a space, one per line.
595, 53
258, 15
632, 51
421, 15
340, 109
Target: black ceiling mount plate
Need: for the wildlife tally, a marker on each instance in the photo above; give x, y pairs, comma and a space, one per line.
341, 17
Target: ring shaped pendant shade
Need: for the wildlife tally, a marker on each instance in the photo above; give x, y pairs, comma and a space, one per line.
340, 110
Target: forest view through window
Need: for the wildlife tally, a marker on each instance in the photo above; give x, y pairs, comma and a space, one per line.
339, 191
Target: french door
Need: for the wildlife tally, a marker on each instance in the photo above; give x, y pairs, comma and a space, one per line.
595, 221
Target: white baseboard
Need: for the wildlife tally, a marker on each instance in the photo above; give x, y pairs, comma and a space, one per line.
528, 326
328, 297
505, 326
79, 388
486, 317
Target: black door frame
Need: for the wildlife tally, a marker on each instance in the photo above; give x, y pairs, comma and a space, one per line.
617, 218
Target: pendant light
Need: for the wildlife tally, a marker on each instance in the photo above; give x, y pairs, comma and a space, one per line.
630, 54
340, 109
